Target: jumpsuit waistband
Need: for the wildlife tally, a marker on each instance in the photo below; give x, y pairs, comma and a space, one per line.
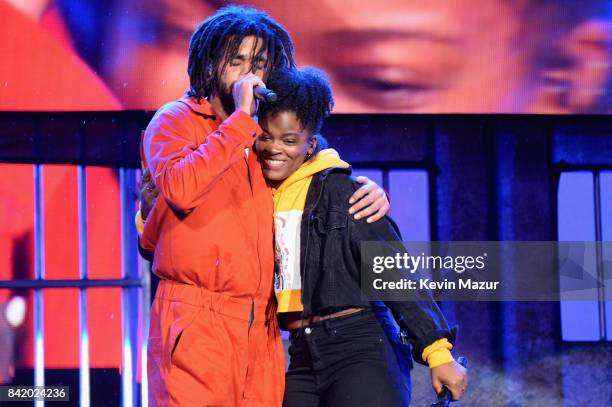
235, 307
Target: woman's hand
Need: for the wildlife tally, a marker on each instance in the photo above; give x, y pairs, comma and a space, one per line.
451, 375
370, 200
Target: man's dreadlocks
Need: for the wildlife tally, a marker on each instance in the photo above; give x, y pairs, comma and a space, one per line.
217, 41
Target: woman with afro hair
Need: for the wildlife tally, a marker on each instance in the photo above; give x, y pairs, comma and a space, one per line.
345, 350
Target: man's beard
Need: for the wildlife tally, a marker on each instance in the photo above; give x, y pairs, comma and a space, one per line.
227, 99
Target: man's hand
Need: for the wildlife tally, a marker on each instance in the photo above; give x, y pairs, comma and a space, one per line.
242, 90
451, 375
369, 200
148, 194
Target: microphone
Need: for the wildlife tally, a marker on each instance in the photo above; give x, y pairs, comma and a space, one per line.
264, 94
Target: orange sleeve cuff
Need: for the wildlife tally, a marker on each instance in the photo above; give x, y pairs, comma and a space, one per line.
139, 222
438, 353
246, 125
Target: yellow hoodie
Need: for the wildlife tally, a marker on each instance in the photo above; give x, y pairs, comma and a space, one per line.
289, 202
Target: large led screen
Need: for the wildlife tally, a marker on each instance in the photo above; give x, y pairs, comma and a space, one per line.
387, 56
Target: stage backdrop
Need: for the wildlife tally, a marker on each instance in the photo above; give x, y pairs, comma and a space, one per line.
461, 56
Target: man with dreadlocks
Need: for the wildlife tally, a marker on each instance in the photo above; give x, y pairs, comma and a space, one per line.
214, 339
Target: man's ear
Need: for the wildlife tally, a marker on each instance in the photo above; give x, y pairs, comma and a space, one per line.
577, 79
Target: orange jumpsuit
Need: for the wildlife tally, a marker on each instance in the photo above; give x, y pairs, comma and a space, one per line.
214, 339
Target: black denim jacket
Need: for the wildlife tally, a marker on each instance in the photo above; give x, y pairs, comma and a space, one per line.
330, 241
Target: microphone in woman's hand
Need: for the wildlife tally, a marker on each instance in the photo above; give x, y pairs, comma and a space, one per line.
265, 94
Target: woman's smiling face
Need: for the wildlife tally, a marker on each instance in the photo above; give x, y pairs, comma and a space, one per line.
283, 146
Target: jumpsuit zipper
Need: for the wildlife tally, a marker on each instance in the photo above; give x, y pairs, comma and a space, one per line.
252, 311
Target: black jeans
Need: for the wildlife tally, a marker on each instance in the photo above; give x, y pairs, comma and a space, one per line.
346, 361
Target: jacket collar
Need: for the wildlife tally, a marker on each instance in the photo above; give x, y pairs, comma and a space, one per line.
203, 108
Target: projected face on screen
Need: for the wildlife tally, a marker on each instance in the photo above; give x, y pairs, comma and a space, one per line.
389, 56
454, 55
420, 56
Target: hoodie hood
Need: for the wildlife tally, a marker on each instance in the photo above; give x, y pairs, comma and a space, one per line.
323, 160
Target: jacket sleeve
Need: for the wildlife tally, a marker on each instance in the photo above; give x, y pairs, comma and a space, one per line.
421, 319
185, 171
